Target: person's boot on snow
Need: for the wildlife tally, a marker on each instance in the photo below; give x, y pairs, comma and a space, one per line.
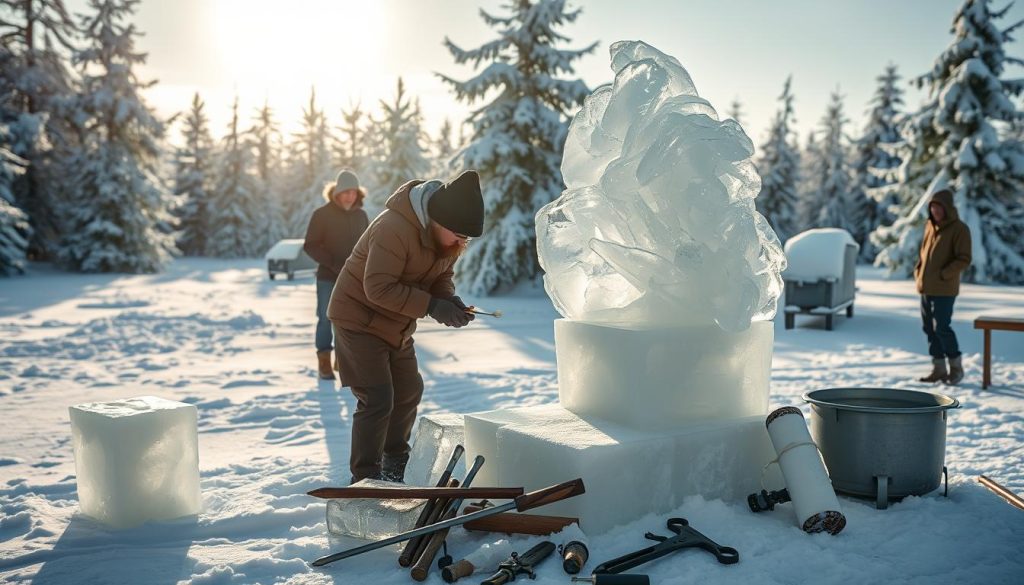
324, 364
956, 370
939, 372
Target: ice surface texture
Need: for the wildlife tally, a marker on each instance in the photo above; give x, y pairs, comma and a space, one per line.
817, 254
436, 438
136, 460
657, 224
371, 518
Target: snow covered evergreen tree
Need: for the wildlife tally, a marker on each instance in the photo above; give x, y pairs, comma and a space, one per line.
14, 228
779, 166
518, 136
736, 111
403, 157
350, 148
832, 181
443, 151
953, 140
874, 162
269, 205
233, 228
812, 167
120, 218
310, 168
35, 38
192, 178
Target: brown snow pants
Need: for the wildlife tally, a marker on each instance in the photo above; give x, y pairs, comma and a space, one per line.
387, 385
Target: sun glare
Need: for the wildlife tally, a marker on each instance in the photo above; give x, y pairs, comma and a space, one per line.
284, 47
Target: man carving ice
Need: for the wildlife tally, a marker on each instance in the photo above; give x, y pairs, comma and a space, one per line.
401, 270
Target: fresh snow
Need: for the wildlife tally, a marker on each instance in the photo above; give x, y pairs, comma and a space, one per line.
219, 335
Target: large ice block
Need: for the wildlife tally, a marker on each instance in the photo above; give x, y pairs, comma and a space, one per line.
629, 473
658, 378
436, 438
482, 433
372, 519
136, 459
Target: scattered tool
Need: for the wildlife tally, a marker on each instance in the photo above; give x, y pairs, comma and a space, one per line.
518, 565
489, 555
573, 549
409, 493
686, 537
422, 563
406, 559
536, 499
1002, 492
476, 311
615, 579
511, 523
414, 548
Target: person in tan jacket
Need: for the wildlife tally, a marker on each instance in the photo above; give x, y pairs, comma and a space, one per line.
400, 270
945, 253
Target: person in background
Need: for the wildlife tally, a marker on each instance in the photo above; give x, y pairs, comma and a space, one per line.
945, 253
333, 232
400, 271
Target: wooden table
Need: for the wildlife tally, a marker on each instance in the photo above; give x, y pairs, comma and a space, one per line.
988, 324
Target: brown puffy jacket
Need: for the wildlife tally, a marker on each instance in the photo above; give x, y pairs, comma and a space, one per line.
393, 272
332, 233
945, 251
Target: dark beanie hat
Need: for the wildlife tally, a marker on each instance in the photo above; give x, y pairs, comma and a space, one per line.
459, 206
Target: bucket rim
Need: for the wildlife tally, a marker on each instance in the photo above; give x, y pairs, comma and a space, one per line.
945, 402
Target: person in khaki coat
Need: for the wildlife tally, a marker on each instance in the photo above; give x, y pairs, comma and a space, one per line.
400, 270
945, 253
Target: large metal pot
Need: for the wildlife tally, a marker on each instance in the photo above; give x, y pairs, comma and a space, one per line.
881, 443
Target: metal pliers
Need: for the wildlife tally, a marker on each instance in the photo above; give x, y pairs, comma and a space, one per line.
686, 537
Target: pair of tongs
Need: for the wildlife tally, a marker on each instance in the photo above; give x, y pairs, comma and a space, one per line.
686, 537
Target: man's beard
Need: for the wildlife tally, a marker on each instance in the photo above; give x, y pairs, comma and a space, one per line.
453, 251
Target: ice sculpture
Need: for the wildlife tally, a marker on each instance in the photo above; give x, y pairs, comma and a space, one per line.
657, 224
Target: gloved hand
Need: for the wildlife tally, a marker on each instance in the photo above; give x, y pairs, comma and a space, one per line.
447, 313
458, 303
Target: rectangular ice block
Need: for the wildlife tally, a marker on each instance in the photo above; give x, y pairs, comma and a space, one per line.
436, 438
629, 473
482, 434
136, 460
372, 519
658, 378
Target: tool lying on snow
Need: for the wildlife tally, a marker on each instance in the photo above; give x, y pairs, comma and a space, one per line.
511, 523
518, 565
1012, 498
411, 493
686, 537
606, 579
489, 555
536, 499
574, 550
423, 559
406, 559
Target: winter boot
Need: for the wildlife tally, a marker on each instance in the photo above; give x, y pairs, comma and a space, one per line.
938, 372
324, 362
956, 371
393, 470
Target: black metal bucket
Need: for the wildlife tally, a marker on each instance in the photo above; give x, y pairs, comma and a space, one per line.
881, 443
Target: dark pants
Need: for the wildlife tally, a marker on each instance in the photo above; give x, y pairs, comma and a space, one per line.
387, 385
936, 314
323, 326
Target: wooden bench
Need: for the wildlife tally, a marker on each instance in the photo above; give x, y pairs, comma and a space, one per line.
994, 323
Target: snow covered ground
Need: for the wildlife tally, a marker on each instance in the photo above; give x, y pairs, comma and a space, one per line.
220, 335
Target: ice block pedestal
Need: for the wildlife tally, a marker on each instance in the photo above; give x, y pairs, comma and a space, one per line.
372, 519
628, 472
659, 378
137, 460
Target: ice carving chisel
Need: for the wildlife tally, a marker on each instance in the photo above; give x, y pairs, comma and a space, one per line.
536, 499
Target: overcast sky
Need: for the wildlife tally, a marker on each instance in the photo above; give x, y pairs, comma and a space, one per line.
354, 50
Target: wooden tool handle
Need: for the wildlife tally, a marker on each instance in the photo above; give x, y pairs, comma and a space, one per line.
412, 493
550, 495
421, 569
413, 548
457, 570
510, 523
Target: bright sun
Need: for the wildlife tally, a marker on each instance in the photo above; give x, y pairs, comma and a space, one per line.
288, 46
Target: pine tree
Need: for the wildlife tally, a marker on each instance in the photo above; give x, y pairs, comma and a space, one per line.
875, 162
232, 227
443, 150
350, 150
518, 136
14, 227
310, 170
780, 171
192, 178
120, 221
832, 183
812, 168
403, 157
953, 141
35, 36
736, 111
269, 206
